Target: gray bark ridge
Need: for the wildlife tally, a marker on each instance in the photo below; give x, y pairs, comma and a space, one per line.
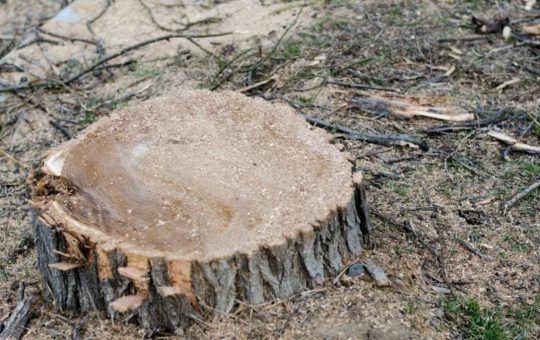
217, 286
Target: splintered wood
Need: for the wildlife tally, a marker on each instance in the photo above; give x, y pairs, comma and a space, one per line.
189, 203
411, 107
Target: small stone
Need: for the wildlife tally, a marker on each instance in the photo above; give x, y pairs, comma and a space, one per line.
441, 290
356, 269
377, 273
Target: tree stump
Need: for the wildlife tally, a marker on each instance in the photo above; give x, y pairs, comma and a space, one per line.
186, 204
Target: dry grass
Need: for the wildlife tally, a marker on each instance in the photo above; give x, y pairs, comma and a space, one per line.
450, 195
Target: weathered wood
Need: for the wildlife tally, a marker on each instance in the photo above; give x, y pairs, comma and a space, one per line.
15, 325
86, 267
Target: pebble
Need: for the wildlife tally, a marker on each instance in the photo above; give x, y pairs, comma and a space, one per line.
356, 269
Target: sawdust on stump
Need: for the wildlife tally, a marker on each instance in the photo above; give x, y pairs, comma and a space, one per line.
189, 203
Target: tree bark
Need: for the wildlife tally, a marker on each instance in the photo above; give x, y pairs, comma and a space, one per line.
150, 299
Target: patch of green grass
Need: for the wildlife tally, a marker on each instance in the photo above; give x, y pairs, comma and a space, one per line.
530, 170
476, 321
516, 244
306, 101
89, 117
400, 189
409, 308
521, 320
90, 106
394, 14
525, 317
448, 193
475, 4
292, 50
147, 72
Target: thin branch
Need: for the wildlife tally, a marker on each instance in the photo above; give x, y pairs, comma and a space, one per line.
519, 196
389, 140
61, 128
63, 37
361, 86
90, 22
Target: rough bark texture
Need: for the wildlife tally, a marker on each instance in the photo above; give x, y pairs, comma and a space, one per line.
105, 281
15, 325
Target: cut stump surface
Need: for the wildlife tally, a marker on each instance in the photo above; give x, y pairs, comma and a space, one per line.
189, 203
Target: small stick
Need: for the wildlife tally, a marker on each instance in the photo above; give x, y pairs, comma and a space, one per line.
497, 117
389, 140
90, 22
60, 128
466, 38
361, 86
513, 143
519, 196
63, 37
11, 158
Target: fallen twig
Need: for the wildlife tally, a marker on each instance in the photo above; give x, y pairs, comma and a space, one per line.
498, 117
519, 196
90, 22
11, 158
465, 38
513, 143
361, 86
61, 128
470, 248
14, 327
63, 37
389, 140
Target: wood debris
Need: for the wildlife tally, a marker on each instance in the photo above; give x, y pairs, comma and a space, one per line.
531, 29
513, 143
519, 196
410, 107
507, 83
495, 25
14, 327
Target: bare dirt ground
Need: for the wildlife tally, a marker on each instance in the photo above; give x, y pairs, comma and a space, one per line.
459, 267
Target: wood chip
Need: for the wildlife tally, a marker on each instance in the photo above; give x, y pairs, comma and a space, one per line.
531, 29
514, 143
410, 107
507, 83
65, 266
127, 303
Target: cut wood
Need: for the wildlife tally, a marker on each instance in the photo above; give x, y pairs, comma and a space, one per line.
410, 107
190, 203
513, 143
